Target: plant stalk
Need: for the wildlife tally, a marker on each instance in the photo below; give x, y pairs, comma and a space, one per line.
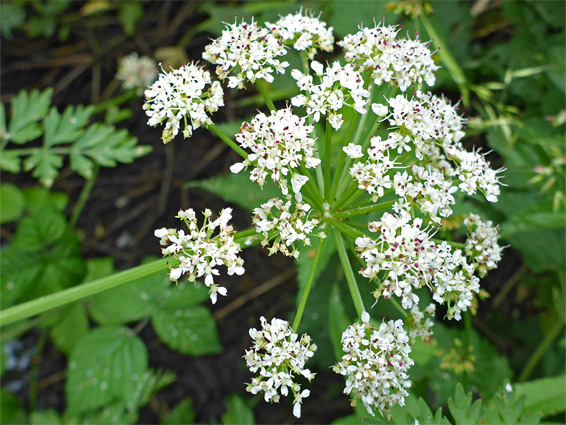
349, 273
228, 141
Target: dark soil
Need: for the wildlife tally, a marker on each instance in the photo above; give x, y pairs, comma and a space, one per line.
128, 202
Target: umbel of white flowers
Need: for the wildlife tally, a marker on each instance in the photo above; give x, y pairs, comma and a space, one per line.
398, 250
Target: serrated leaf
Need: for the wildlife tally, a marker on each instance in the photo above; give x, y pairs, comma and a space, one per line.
106, 146
46, 417
237, 411
545, 396
116, 413
45, 166
105, 366
239, 189
150, 383
190, 331
38, 198
11, 203
182, 413
39, 230
70, 327
10, 162
461, 407
27, 110
67, 127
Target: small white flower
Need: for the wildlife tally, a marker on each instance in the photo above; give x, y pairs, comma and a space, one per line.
353, 150
199, 253
379, 109
180, 94
280, 357
247, 50
136, 72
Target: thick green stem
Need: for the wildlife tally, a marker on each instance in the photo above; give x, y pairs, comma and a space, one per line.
228, 141
342, 160
83, 197
308, 286
349, 273
541, 349
351, 194
261, 87
365, 210
78, 293
467, 336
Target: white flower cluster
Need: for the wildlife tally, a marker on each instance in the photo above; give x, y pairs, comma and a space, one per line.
290, 227
481, 246
388, 58
435, 125
248, 51
306, 33
375, 364
280, 357
408, 260
372, 175
416, 323
187, 92
338, 84
280, 143
136, 72
199, 253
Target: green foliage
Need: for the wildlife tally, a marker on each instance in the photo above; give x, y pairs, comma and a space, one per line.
545, 396
31, 118
129, 13
70, 326
238, 189
178, 319
11, 411
462, 409
12, 203
43, 257
46, 417
237, 412
182, 413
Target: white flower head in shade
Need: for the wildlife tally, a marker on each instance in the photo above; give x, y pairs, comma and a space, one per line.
246, 52
280, 144
184, 95
375, 364
417, 324
339, 86
304, 31
280, 357
481, 246
136, 72
199, 253
390, 59
275, 214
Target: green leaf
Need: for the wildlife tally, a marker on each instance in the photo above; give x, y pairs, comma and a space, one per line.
12, 16
116, 413
462, 409
70, 327
142, 298
27, 110
46, 417
39, 230
105, 366
182, 413
129, 13
10, 162
190, 331
538, 216
150, 383
65, 128
346, 16
11, 411
237, 411
545, 396
506, 408
106, 146
11, 203
238, 189
45, 166
38, 197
